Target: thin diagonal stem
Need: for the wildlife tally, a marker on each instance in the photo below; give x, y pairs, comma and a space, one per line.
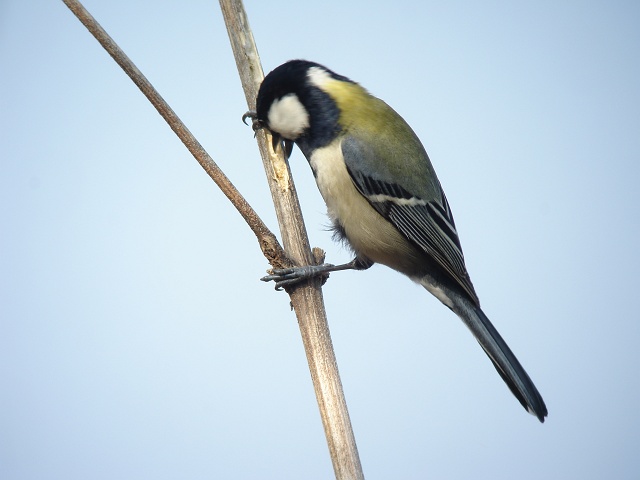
267, 240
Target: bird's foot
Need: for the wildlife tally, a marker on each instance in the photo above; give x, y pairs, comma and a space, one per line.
285, 277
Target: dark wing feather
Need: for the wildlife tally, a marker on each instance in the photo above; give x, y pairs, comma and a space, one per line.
427, 224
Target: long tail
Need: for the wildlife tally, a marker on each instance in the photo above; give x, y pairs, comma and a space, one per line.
501, 355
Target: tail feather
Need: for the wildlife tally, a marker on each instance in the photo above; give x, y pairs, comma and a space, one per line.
502, 357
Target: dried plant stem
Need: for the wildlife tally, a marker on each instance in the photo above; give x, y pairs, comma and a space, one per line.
306, 300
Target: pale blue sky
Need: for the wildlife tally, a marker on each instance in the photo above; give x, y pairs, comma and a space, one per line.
135, 338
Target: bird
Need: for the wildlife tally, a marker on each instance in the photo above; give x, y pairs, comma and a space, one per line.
383, 197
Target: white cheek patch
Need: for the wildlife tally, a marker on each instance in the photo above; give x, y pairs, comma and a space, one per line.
288, 117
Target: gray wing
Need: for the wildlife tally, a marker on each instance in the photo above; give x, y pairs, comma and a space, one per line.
427, 223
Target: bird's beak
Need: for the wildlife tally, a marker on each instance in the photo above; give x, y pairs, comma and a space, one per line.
276, 140
288, 148
286, 145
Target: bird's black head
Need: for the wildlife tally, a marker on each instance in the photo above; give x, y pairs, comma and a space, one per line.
292, 106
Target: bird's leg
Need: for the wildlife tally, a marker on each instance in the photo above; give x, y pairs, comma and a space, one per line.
284, 277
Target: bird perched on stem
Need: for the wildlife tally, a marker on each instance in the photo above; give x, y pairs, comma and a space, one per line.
382, 195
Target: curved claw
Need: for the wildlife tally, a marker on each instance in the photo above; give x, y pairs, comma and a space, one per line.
256, 124
250, 114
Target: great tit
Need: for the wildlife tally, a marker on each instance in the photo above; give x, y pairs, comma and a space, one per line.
382, 194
